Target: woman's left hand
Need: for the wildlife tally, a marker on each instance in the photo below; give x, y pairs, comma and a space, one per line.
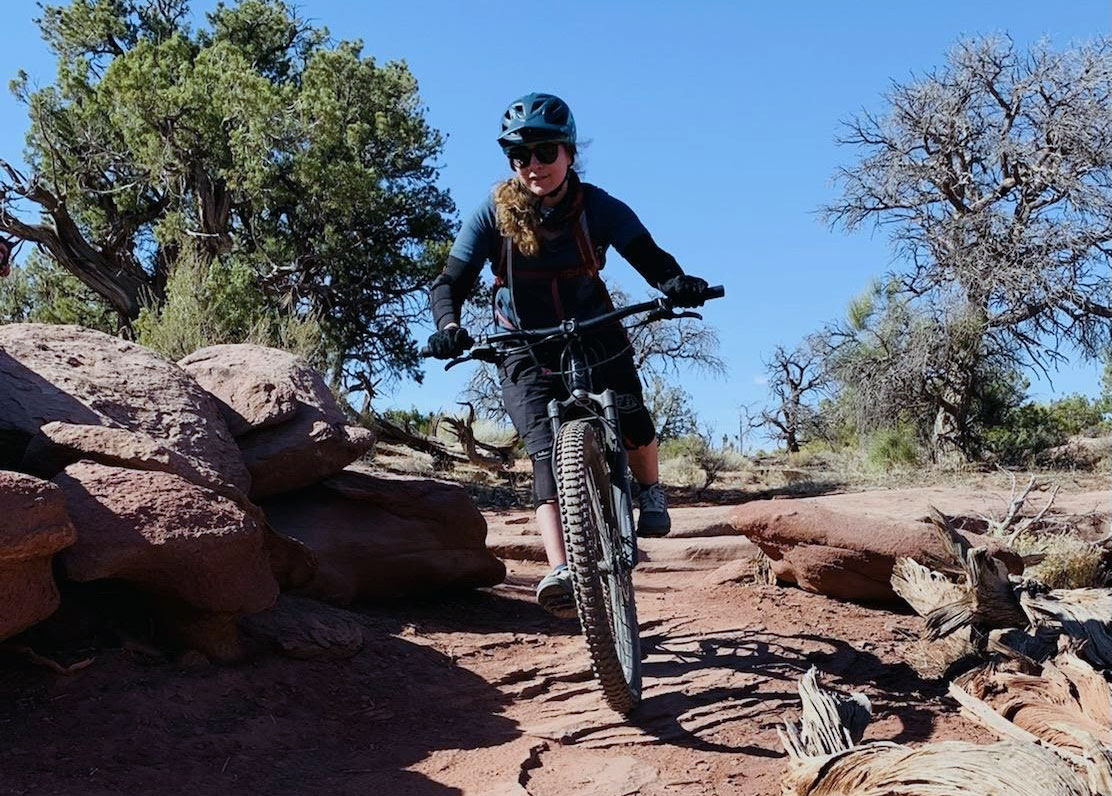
685, 290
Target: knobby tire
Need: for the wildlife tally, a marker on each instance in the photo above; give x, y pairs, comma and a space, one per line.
603, 600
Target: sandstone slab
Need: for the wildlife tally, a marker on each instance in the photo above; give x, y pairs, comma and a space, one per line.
843, 555
377, 536
33, 527
178, 541
290, 428
82, 377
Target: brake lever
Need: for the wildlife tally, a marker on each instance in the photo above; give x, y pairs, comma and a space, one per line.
479, 353
671, 314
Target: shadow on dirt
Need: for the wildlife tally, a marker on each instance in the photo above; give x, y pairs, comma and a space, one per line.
511, 608
762, 670
129, 724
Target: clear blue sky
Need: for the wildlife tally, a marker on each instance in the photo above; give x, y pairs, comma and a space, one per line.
714, 120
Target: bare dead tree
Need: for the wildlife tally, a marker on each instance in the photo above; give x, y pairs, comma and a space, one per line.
795, 378
464, 431
993, 175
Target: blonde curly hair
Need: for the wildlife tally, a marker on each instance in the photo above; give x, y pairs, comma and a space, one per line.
517, 212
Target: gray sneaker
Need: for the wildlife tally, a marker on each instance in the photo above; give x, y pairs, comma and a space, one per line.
653, 519
554, 593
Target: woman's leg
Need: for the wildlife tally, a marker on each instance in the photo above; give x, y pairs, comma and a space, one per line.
645, 463
548, 523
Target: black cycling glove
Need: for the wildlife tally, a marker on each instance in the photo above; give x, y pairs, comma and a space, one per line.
449, 343
685, 291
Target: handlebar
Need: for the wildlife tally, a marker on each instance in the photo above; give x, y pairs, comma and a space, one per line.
660, 309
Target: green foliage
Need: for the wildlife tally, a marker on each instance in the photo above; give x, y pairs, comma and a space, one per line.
261, 149
41, 292
671, 408
1027, 430
892, 448
688, 445
412, 420
222, 302
1076, 414
691, 460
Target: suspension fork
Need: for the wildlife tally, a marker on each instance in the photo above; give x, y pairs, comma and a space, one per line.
616, 458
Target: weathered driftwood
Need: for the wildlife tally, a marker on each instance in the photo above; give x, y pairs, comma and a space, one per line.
1013, 522
388, 432
925, 590
1081, 614
1067, 704
464, 432
830, 722
952, 768
988, 599
965, 614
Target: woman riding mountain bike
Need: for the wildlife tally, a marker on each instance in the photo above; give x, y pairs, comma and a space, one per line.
546, 234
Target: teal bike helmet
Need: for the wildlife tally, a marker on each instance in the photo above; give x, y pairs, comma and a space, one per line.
537, 117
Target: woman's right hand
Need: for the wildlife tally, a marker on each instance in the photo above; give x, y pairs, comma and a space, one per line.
450, 342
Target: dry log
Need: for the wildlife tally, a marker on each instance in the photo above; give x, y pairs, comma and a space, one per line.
1068, 704
926, 590
465, 434
388, 432
1015, 768
1082, 614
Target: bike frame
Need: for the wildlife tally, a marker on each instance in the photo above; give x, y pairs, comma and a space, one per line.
601, 406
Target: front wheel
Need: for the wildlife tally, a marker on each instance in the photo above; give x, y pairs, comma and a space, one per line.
601, 571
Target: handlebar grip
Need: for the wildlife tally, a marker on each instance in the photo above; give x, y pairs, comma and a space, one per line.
717, 291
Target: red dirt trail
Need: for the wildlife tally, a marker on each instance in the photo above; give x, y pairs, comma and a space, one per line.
478, 693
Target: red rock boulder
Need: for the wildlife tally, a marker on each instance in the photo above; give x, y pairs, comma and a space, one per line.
843, 555
288, 425
33, 527
377, 536
101, 390
185, 545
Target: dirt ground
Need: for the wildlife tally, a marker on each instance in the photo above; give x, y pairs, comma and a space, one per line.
484, 693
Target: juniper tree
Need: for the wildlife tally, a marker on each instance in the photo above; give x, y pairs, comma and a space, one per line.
254, 140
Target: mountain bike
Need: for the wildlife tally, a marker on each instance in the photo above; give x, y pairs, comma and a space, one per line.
593, 492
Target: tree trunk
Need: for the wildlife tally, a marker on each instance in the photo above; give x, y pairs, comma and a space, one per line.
115, 278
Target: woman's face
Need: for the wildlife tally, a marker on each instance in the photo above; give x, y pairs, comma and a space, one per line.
543, 178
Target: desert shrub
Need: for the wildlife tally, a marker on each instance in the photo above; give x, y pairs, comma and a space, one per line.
1026, 431
680, 471
688, 445
692, 461
810, 454
223, 303
1076, 414
494, 433
1068, 563
892, 448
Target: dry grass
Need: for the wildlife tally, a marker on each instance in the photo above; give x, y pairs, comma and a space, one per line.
1068, 563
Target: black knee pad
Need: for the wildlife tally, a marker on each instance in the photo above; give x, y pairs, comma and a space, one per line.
544, 480
638, 428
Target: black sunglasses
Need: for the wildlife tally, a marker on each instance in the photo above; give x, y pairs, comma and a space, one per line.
522, 156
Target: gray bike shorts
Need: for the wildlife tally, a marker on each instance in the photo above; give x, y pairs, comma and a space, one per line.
530, 381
